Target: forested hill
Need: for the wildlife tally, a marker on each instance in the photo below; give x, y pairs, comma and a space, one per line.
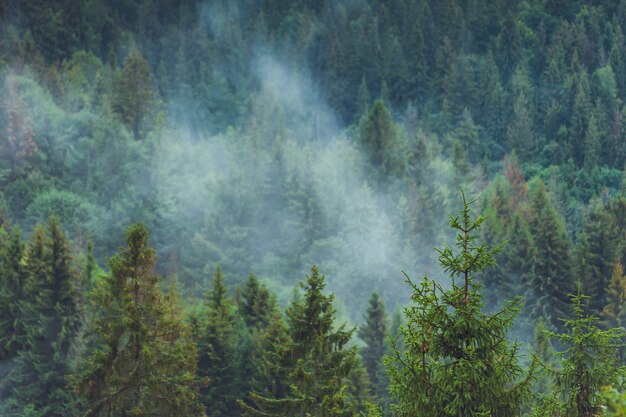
269, 136
247, 141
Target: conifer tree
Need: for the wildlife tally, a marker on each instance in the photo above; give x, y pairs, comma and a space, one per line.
589, 362
134, 96
267, 378
614, 312
145, 363
12, 280
314, 361
457, 360
383, 140
257, 304
551, 265
518, 256
374, 334
50, 321
218, 352
596, 249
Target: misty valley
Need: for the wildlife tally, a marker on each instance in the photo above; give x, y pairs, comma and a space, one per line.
312, 208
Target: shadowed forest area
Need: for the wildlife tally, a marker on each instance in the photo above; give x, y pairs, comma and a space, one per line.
278, 208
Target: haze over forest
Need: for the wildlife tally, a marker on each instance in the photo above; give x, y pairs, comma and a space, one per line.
264, 142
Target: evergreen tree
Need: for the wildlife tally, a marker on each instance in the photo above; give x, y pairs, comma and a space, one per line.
145, 363
551, 265
12, 281
50, 320
596, 250
457, 360
589, 362
520, 134
134, 97
314, 361
218, 352
518, 256
614, 312
267, 378
374, 334
257, 305
383, 141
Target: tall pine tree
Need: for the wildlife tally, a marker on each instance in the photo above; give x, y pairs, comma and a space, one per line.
314, 361
457, 361
50, 321
374, 334
146, 361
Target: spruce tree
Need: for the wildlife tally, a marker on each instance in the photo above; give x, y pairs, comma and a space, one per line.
134, 97
589, 362
257, 304
314, 361
457, 361
551, 265
50, 321
614, 312
145, 362
374, 334
383, 141
218, 353
12, 280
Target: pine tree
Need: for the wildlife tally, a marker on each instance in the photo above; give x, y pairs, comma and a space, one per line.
551, 265
518, 256
520, 134
134, 96
12, 281
589, 362
50, 320
218, 353
267, 378
145, 363
257, 305
383, 140
457, 360
614, 312
596, 250
314, 360
374, 334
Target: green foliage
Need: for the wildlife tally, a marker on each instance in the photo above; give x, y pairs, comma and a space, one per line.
589, 362
614, 312
551, 264
219, 351
12, 289
276, 154
314, 360
383, 141
456, 359
374, 333
49, 321
134, 97
145, 362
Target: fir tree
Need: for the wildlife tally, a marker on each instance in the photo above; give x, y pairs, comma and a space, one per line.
50, 320
614, 312
551, 265
383, 140
12, 280
457, 360
589, 362
218, 352
145, 363
257, 304
314, 361
134, 96
374, 334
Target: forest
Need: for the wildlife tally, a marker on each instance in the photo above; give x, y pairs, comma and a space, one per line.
317, 208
